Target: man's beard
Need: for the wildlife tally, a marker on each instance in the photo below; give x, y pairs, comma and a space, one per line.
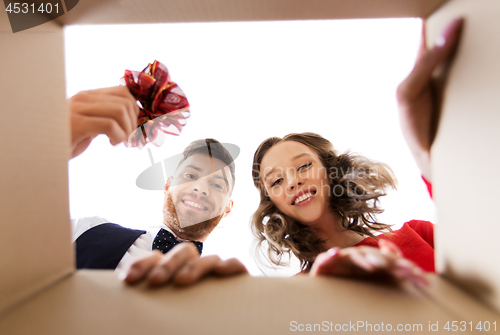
192, 232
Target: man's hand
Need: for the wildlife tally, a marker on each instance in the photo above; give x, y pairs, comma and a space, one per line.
111, 111
385, 263
417, 106
182, 265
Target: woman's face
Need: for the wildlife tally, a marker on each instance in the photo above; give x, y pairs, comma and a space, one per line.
296, 182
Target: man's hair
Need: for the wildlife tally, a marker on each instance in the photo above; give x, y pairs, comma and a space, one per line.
214, 149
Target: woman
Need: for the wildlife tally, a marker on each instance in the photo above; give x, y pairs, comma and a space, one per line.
315, 201
330, 224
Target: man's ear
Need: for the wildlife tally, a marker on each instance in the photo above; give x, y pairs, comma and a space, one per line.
228, 209
167, 184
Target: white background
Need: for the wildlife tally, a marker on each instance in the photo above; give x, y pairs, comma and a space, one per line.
247, 81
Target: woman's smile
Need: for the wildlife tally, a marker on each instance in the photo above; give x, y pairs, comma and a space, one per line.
302, 198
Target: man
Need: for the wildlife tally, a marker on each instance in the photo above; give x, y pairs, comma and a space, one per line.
197, 195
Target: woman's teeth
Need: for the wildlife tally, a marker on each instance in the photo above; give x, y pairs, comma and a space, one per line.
302, 198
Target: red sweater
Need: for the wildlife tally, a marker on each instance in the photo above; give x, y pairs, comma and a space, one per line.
415, 240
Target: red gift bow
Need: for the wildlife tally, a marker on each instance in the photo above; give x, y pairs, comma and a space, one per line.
164, 106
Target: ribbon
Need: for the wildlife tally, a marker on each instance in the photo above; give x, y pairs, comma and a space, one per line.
164, 106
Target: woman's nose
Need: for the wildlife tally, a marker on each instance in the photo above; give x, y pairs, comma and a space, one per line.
294, 182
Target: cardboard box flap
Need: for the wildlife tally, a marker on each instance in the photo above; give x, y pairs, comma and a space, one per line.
35, 242
463, 305
154, 11
96, 302
465, 153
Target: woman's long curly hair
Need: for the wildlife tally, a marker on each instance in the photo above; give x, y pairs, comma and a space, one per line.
358, 184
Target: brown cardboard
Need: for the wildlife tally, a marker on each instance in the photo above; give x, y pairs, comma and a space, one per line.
95, 302
35, 231
37, 256
153, 11
461, 304
465, 154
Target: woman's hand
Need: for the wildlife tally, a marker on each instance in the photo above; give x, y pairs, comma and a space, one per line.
418, 111
111, 111
182, 265
383, 263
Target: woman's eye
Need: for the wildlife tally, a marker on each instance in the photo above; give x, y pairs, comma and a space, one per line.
305, 166
190, 176
277, 182
218, 186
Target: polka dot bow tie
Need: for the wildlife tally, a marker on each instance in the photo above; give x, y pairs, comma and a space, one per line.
165, 240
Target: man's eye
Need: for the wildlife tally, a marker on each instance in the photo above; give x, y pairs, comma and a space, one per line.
190, 176
277, 182
304, 167
218, 186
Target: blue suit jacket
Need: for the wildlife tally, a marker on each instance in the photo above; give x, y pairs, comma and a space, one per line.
103, 246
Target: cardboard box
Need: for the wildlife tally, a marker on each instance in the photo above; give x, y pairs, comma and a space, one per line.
41, 293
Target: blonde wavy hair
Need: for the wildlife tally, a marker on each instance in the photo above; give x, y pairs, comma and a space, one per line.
361, 181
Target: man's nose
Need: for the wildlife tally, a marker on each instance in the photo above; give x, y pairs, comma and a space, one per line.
201, 187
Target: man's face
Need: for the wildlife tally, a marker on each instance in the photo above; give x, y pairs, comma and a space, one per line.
198, 196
